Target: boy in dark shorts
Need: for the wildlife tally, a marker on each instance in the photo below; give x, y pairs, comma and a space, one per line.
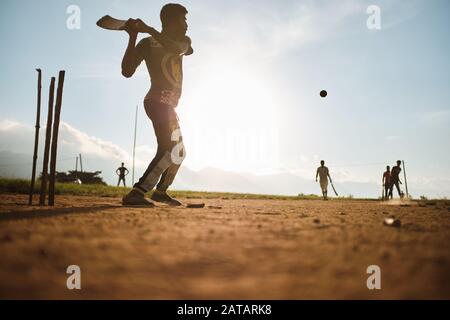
122, 172
387, 183
395, 179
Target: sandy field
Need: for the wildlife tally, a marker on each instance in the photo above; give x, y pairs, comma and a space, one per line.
231, 249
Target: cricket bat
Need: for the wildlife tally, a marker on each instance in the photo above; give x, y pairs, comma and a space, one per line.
331, 182
109, 23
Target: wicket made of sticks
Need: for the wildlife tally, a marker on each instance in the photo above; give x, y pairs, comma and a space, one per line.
51, 141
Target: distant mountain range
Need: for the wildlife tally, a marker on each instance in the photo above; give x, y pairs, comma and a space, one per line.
213, 179
18, 165
100, 155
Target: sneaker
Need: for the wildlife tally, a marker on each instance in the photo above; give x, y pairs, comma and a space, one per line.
162, 196
135, 198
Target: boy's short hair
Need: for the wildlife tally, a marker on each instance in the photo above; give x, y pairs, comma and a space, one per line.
170, 11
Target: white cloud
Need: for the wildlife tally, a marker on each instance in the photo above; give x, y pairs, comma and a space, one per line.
16, 136
392, 138
94, 147
435, 117
90, 145
304, 158
144, 154
6, 125
97, 153
309, 21
400, 13
278, 29
271, 30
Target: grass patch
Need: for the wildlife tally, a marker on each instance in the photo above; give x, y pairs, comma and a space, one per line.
21, 186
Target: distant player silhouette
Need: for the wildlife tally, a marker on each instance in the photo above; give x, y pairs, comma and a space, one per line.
323, 174
395, 180
387, 183
122, 172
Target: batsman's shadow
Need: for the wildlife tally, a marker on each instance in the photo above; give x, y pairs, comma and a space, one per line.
46, 213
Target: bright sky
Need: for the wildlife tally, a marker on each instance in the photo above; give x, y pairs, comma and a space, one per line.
251, 91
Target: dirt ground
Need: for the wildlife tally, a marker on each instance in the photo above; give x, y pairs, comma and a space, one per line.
231, 249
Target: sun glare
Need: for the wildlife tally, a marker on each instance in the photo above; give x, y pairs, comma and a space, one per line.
234, 118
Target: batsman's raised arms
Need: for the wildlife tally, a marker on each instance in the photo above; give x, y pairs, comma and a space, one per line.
109, 23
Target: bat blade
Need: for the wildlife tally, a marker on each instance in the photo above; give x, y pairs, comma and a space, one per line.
334, 189
109, 23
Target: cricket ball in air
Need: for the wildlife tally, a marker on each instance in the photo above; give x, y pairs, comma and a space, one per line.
323, 93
